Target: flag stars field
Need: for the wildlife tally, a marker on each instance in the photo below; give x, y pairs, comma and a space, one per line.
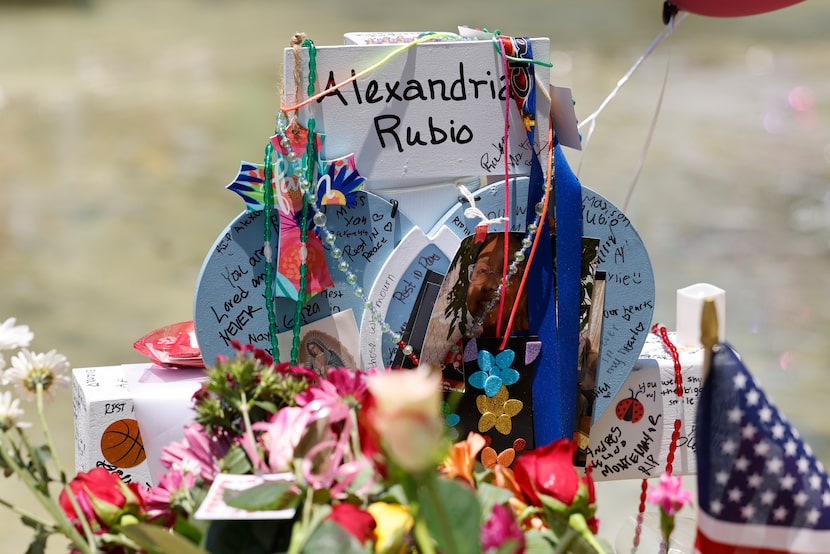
787, 482
778, 430
762, 448
742, 464
759, 487
813, 516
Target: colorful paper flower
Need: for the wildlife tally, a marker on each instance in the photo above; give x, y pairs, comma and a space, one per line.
339, 182
494, 371
497, 411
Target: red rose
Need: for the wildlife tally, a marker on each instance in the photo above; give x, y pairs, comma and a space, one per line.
359, 523
102, 497
549, 470
369, 436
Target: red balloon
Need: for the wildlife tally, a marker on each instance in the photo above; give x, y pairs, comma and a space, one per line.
731, 8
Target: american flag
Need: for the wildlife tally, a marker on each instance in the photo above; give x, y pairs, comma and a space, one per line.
760, 489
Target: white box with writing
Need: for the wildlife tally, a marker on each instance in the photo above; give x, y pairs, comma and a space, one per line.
631, 439
106, 431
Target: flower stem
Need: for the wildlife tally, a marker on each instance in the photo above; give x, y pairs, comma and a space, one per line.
666, 527
444, 520
301, 528
245, 409
565, 542
422, 537
54, 510
41, 468
90, 538
48, 525
577, 522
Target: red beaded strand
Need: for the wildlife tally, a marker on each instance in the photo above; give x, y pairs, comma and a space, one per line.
411, 355
639, 529
661, 332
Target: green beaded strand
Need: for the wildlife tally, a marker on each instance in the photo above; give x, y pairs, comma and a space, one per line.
310, 166
268, 197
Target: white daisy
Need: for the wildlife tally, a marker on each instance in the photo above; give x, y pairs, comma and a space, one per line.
14, 336
10, 412
29, 369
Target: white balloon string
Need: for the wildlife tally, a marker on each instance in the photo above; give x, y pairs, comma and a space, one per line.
592, 119
649, 136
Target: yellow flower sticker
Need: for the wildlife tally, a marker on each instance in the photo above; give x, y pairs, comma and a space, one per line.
497, 411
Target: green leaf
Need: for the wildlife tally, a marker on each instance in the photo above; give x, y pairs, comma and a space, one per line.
272, 495
236, 461
452, 514
158, 539
330, 537
490, 495
538, 542
187, 529
38, 544
269, 407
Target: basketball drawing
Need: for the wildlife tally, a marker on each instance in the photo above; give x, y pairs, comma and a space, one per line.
121, 443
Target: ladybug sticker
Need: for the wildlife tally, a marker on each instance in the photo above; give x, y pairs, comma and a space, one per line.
630, 409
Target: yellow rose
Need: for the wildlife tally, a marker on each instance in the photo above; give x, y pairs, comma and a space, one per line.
394, 522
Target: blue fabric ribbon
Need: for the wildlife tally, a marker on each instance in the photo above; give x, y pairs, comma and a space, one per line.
554, 295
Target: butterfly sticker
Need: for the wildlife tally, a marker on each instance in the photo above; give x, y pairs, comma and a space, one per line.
490, 458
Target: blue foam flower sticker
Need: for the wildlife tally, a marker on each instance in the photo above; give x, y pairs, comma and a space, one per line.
494, 371
451, 418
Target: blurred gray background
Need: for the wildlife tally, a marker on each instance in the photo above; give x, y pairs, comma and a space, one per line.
122, 122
